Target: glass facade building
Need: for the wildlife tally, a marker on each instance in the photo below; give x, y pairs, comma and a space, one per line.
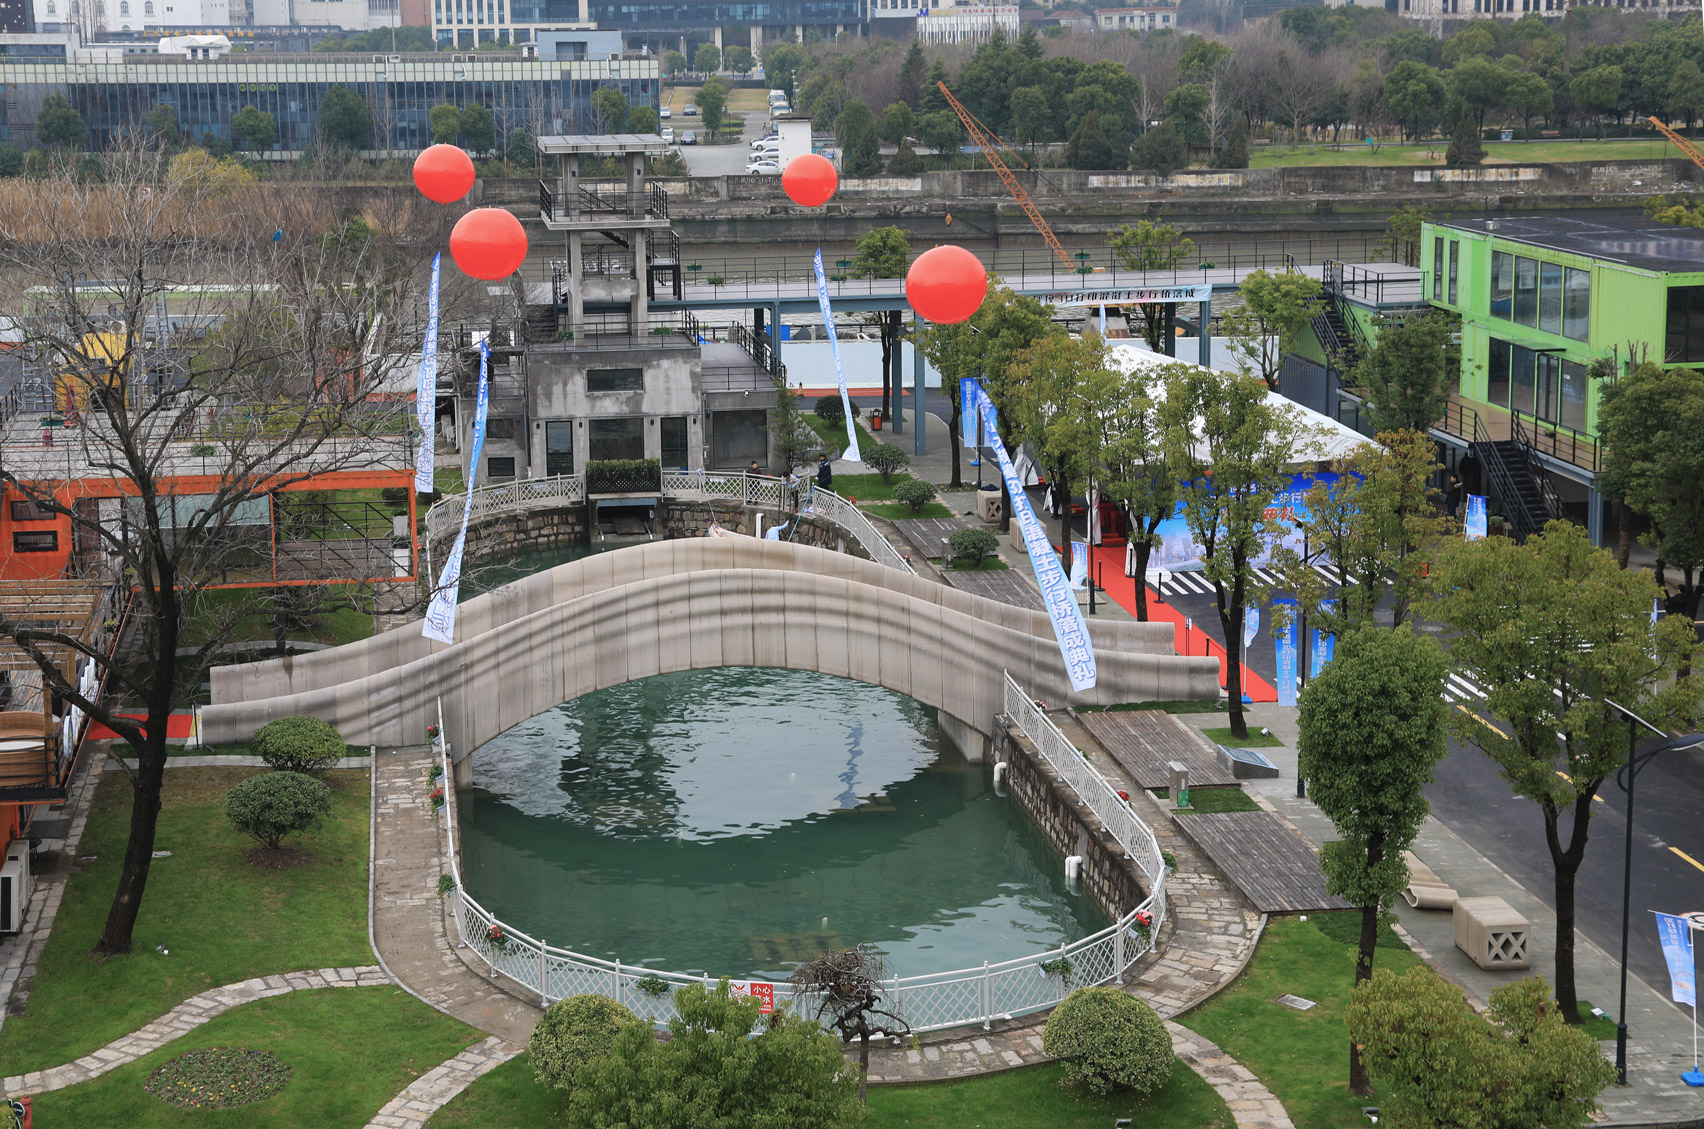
544, 97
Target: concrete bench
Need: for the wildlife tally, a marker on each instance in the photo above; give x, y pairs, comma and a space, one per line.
1490, 932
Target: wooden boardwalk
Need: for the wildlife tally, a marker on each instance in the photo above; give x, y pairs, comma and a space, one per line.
926, 535
1003, 585
1264, 857
1145, 742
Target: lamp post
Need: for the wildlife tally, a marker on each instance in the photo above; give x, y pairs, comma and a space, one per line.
1624, 779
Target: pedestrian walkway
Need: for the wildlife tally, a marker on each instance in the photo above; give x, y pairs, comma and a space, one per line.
433, 1090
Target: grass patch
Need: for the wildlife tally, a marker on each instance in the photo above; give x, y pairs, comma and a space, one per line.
1206, 705
1497, 153
1302, 1056
1598, 1027
244, 615
1255, 739
1034, 1096
896, 511
509, 1098
833, 436
1211, 801
988, 564
447, 481
235, 750
349, 1050
222, 919
1344, 927
867, 487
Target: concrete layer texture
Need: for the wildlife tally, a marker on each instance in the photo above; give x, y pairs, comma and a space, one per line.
693, 604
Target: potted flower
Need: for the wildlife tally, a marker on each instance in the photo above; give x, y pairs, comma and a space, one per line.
437, 796
431, 733
496, 938
1060, 967
1143, 926
651, 985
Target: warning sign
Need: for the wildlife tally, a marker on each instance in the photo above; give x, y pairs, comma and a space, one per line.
759, 989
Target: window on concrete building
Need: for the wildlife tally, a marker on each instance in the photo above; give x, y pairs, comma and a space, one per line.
25, 510
1550, 297
674, 442
618, 437
501, 427
1521, 377
1438, 269
1526, 291
42, 542
1497, 375
1455, 256
1572, 413
736, 438
500, 467
615, 380
1685, 324
1576, 303
1502, 284
559, 447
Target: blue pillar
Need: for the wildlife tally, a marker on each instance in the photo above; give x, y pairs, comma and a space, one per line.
1594, 515
919, 398
1205, 359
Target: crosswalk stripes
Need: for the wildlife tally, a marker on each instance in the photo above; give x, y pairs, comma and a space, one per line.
1198, 584
1459, 689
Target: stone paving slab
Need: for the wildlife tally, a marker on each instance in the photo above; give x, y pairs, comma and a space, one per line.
432, 1090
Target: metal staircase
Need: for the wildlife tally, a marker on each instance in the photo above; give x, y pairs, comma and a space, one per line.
1517, 482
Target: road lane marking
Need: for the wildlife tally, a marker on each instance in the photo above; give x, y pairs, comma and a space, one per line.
1687, 857
1482, 721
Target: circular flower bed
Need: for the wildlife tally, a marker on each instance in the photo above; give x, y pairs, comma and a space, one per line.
219, 1077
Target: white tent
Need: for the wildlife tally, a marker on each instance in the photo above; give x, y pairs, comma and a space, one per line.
1321, 438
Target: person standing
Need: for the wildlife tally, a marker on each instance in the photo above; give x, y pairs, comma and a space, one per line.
1453, 496
793, 487
825, 474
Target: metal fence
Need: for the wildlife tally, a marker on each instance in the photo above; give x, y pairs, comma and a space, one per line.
929, 1002
748, 489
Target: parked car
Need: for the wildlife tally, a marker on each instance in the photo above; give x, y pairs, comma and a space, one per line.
691, 110
767, 141
668, 133
764, 168
664, 113
689, 138
767, 153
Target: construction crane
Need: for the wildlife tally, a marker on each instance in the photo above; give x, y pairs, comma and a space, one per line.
1686, 146
986, 140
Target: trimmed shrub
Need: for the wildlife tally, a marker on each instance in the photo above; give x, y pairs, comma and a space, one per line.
275, 804
828, 408
886, 460
973, 545
1109, 1041
299, 744
915, 493
574, 1032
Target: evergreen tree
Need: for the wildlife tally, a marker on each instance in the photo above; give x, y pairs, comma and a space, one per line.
1088, 147
911, 75
906, 162
254, 129
344, 120
445, 124
1465, 146
1161, 150
478, 130
1235, 153
932, 99
59, 123
162, 125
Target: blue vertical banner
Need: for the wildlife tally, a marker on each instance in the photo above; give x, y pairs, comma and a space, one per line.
1676, 937
1284, 627
1079, 565
440, 622
426, 388
851, 454
1324, 644
968, 421
1068, 624
1475, 526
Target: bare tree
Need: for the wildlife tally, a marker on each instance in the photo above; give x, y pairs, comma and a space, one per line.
846, 989
1301, 86
234, 361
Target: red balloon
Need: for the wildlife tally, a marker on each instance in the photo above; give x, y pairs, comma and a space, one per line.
810, 180
946, 284
488, 243
443, 173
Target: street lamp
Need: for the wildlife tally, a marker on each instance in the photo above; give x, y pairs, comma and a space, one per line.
1624, 779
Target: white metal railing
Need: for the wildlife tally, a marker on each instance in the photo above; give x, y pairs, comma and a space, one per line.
929, 1002
748, 489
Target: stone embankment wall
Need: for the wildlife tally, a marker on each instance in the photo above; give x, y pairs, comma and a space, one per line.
1111, 879
692, 519
503, 535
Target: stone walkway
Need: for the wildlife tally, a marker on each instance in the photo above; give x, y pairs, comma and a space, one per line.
186, 1017
433, 1089
1252, 1104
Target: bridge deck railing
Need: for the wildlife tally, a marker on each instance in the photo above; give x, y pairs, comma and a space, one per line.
928, 1002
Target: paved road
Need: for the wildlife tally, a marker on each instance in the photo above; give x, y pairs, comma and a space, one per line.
718, 160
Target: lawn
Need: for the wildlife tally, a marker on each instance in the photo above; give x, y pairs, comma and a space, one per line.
509, 1098
447, 481
899, 510
1212, 800
349, 1050
987, 564
221, 918
833, 436
245, 615
1497, 153
1302, 1056
1255, 739
1205, 705
867, 487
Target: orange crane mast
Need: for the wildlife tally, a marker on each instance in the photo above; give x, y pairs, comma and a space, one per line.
986, 140
1686, 146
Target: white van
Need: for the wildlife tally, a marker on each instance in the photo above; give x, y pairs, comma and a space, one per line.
777, 96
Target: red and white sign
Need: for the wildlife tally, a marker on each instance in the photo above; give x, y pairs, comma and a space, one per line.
759, 989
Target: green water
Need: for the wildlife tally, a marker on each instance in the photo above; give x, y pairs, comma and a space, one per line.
734, 821
498, 571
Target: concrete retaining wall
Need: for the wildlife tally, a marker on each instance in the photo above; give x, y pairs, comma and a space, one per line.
692, 604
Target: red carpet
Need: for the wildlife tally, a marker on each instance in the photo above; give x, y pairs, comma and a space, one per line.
177, 727
1108, 561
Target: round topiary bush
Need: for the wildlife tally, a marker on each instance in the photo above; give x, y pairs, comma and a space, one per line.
300, 744
915, 493
218, 1078
886, 460
1109, 1041
574, 1032
973, 545
828, 408
275, 804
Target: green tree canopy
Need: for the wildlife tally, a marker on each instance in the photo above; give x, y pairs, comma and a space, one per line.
712, 101
738, 59
59, 123
254, 129
1186, 108
707, 58
1162, 150
941, 131
1275, 309
1032, 115
781, 63
609, 109
1135, 473
519, 148
161, 124
896, 123
1416, 94
344, 120
882, 252
1371, 733
478, 130
1405, 374
1466, 150
1477, 84
642, 119
674, 63
1088, 147
444, 120
855, 128
1597, 92
1152, 246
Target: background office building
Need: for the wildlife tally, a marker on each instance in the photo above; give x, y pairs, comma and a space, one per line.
113, 91
654, 25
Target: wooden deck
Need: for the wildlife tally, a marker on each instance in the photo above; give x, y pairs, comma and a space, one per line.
1003, 585
1262, 856
1145, 742
926, 535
